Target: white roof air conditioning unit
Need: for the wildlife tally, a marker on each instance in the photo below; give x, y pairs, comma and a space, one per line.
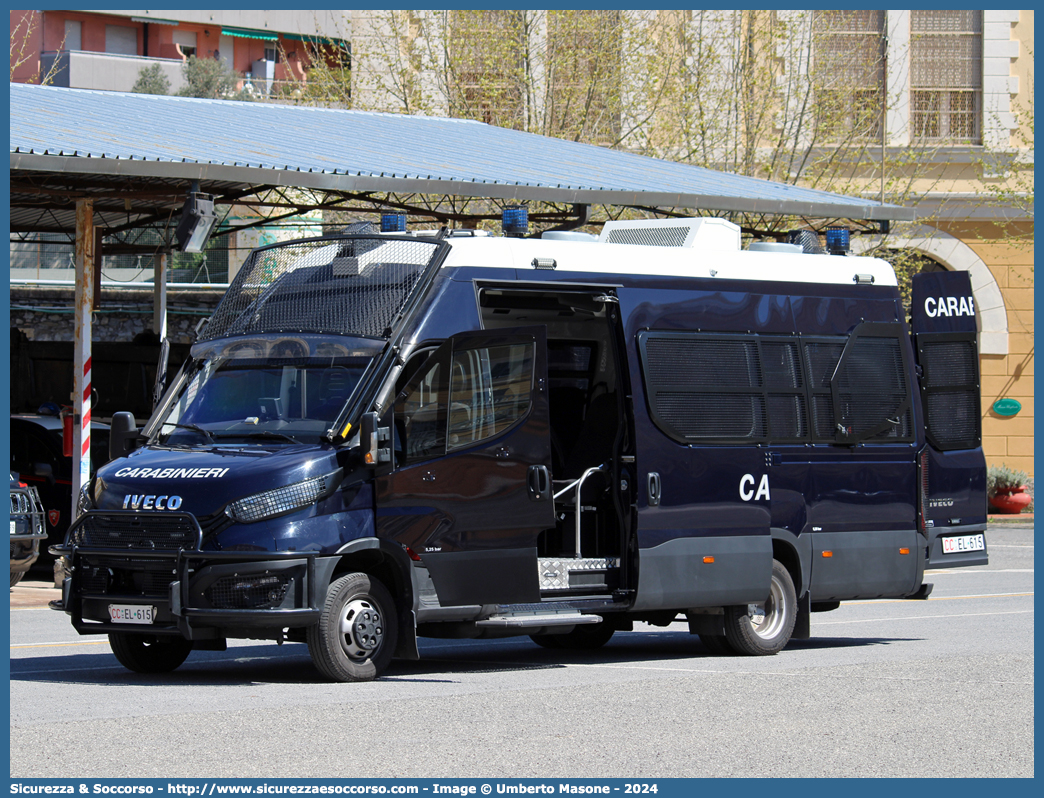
705, 233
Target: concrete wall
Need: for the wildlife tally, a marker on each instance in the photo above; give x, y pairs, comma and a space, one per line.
77, 69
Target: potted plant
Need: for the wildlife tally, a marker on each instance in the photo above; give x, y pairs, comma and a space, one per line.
1009, 491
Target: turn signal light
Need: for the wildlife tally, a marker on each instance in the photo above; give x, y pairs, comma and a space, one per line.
828, 554
904, 551
708, 560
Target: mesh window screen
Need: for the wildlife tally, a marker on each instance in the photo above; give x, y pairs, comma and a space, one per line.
693, 363
782, 369
694, 416
350, 286
703, 387
872, 388
820, 361
706, 387
950, 387
718, 388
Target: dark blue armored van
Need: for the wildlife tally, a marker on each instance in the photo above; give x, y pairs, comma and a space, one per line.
458, 435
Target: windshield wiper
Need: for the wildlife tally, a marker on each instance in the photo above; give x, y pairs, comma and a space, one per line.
259, 434
194, 427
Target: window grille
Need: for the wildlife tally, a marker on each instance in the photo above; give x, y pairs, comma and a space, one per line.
946, 75
950, 390
849, 72
710, 388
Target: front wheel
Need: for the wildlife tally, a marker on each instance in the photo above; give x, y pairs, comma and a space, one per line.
765, 627
148, 653
16, 577
357, 631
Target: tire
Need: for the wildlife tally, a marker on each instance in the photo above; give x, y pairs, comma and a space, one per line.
587, 637
761, 629
149, 654
548, 641
357, 631
717, 644
16, 577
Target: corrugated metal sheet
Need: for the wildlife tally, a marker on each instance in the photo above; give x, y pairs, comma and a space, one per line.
168, 137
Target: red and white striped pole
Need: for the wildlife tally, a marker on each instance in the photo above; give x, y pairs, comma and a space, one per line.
81, 471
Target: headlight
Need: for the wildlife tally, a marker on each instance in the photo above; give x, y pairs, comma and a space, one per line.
271, 503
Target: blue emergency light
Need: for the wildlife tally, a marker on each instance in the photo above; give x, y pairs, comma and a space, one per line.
393, 222
838, 240
515, 221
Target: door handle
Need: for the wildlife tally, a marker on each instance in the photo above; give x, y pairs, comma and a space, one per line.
538, 479
654, 489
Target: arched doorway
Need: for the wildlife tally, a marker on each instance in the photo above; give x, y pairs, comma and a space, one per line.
953, 254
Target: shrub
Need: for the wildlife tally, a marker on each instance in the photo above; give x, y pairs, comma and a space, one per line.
1001, 477
151, 80
210, 78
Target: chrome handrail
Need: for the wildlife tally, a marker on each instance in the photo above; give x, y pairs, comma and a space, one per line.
579, 484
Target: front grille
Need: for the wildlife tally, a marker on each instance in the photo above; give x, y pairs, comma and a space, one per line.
137, 531
147, 579
248, 592
20, 504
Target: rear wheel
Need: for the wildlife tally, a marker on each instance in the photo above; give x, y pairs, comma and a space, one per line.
765, 627
356, 634
587, 637
149, 653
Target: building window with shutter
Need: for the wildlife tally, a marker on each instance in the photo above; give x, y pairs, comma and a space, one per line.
849, 73
946, 76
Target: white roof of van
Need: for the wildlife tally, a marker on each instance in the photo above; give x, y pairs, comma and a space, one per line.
695, 261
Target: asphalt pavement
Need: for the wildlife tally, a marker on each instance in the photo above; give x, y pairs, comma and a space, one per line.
942, 687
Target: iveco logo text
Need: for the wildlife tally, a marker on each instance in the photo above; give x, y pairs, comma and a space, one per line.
949, 306
132, 502
172, 473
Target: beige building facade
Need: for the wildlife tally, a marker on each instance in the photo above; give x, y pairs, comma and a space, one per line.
946, 98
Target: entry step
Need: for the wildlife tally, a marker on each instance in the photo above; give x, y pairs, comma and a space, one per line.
538, 620
565, 573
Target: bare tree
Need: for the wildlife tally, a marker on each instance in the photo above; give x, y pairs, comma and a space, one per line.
24, 47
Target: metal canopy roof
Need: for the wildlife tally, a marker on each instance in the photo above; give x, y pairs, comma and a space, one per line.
137, 153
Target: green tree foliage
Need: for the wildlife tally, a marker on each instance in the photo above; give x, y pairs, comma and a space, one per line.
212, 79
151, 80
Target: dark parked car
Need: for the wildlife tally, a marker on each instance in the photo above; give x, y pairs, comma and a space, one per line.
27, 528
36, 456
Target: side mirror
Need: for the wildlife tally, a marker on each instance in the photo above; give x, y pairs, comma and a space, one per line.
123, 435
44, 470
371, 437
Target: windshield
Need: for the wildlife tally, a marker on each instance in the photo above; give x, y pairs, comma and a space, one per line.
262, 391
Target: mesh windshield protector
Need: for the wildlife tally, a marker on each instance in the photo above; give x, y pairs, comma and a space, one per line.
340, 286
